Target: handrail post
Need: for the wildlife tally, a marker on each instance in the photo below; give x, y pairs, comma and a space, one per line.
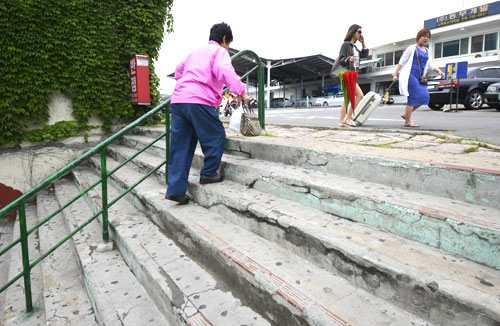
260, 100
104, 189
167, 140
26, 257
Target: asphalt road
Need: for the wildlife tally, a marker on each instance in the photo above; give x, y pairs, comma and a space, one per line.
483, 124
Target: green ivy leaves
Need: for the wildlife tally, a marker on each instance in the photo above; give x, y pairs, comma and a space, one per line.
80, 48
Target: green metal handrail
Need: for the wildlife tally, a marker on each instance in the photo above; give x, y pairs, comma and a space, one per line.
100, 149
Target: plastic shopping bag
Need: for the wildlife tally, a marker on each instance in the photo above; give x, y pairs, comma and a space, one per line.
235, 120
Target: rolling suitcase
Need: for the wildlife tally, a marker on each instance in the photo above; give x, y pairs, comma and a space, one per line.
365, 107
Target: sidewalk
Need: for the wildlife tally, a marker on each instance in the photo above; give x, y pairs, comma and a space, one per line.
409, 145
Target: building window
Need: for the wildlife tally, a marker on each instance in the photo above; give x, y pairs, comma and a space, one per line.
490, 41
397, 56
464, 45
381, 63
476, 44
389, 59
451, 48
437, 50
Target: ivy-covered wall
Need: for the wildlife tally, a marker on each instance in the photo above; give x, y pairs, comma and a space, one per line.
80, 48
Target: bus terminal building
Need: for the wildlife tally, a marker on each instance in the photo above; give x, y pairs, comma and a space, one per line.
470, 35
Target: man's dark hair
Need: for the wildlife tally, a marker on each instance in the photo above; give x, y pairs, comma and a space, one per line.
218, 31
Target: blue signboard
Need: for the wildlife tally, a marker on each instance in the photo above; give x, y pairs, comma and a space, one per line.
462, 68
464, 15
456, 70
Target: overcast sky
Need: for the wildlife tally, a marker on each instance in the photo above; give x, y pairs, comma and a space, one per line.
278, 29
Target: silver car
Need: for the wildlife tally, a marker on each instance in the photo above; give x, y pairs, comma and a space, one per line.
335, 100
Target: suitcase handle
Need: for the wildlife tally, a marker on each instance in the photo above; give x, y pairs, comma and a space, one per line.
363, 110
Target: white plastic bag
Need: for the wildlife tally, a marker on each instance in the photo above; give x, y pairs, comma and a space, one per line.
235, 120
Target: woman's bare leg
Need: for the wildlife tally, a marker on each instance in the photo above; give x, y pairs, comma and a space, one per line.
342, 113
408, 111
359, 97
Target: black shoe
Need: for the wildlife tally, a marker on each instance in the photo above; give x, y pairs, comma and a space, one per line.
182, 200
214, 179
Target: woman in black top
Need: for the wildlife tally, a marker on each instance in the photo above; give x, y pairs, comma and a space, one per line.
349, 58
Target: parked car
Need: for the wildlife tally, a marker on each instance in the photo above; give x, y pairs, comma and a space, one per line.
335, 100
492, 96
318, 101
280, 102
470, 90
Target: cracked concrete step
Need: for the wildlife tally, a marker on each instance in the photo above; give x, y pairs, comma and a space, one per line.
467, 230
472, 185
407, 273
66, 299
289, 289
179, 286
116, 295
475, 186
14, 309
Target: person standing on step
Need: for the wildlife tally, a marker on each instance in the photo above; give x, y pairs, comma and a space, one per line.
414, 63
200, 79
349, 57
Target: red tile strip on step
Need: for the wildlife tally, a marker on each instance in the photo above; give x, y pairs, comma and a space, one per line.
285, 290
457, 217
198, 320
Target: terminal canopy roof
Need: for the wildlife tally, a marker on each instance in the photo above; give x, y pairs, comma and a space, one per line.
286, 70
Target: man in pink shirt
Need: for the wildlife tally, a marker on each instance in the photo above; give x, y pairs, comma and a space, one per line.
197, 94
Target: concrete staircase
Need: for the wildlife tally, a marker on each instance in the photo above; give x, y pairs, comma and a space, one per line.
286, 239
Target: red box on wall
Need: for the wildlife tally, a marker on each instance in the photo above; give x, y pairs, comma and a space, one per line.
139, 79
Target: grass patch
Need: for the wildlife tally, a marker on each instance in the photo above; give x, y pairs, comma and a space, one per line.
381, 145
266, 134
471, 150
483, 145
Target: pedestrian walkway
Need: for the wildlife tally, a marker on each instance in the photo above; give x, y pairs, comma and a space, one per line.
408, 145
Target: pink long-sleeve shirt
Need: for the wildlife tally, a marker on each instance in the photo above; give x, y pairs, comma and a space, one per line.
202, 76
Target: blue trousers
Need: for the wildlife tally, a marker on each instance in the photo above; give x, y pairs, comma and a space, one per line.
190, 123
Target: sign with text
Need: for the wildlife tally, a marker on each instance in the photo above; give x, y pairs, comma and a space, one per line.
464, 15
139, 80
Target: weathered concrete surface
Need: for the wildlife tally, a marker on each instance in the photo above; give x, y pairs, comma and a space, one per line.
116, 295
66, 300
24, 168
468, 230
408, 274
473, 185
289, 289
61, 109
389, 144
389, 266
14, 308
181, 289
390, 166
